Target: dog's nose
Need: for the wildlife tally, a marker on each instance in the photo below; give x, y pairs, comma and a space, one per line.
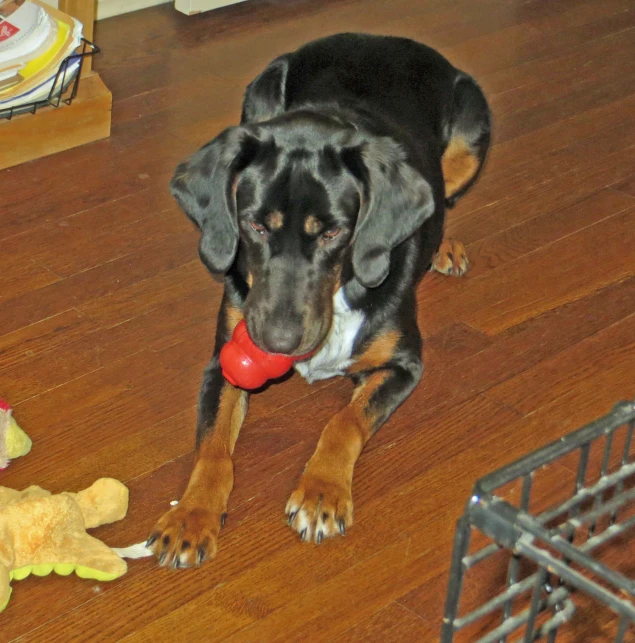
282, 337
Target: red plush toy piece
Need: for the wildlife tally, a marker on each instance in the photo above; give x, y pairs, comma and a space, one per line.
246, 366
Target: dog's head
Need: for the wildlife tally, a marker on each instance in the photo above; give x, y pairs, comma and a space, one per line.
300, 195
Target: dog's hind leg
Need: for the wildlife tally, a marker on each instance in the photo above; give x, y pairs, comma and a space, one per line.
463, 158
468, 141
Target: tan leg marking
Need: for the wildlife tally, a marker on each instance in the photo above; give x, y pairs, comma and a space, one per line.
379, 352
459, 165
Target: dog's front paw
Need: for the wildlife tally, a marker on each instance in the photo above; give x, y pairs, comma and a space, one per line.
186, 536
320, 507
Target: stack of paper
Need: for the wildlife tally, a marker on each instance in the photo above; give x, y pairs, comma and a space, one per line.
33, 43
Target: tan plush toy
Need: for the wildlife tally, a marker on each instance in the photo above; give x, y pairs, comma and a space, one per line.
41, 533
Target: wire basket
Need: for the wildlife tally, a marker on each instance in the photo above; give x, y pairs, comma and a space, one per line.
65, 84
546, 535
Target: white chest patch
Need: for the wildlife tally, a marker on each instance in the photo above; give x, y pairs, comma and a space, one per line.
335, 355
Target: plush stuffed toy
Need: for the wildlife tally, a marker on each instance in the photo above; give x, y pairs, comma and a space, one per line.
14, 442
41, 533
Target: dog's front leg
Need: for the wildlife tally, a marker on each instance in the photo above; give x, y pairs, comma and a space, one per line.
187, 534
322, 505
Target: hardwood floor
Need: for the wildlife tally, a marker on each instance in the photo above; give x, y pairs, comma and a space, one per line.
107, 320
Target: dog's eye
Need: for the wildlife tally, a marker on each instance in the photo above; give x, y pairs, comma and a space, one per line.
258, 227
331, 233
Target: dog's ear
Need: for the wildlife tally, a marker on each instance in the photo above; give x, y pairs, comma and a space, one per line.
395, 201
265, 96
204, 187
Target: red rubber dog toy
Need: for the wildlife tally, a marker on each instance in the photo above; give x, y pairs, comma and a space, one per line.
246, 366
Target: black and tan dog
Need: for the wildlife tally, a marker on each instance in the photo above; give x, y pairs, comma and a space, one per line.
323, 209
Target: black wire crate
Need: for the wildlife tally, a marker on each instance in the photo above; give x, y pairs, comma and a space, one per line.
544, 550
65, 83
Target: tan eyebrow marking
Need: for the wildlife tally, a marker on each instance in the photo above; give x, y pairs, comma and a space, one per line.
275, 220
312, 225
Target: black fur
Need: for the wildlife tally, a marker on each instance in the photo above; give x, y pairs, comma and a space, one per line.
350, 129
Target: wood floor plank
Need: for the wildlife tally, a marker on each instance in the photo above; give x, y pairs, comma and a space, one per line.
23, 275
428, 599
124, 304
550, 277
39, 338
392, 624
509, 156
97, 236
613, 263
560, 66
586, 361
124, 169
218, 97
36, 305
563, 190
108, 318
537, 190
335, 605
627, 186
70, 345
496, 251
539, 104
524, 346
62, 193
